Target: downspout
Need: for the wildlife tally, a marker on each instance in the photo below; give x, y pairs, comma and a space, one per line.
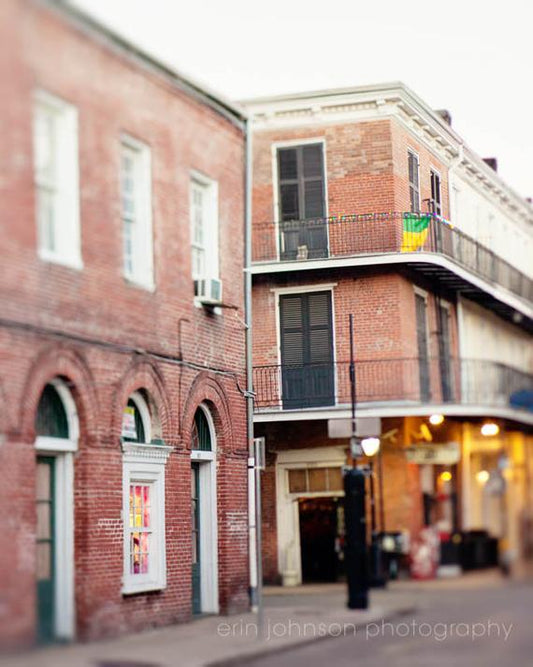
252, 528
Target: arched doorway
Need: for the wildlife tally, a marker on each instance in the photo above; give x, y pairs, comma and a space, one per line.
204, 514
56, 426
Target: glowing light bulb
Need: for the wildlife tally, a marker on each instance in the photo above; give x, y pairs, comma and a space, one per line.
446, 476
490, 428
482, 476
436, 420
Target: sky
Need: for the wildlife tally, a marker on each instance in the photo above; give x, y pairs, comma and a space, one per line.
472, 57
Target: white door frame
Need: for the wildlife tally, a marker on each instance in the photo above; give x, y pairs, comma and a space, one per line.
288, 522
208, 521
62, 450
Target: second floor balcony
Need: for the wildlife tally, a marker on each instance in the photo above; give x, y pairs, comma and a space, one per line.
396, 383
423, 241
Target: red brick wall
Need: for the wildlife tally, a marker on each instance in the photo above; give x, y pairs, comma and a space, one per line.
383, 305
113, 94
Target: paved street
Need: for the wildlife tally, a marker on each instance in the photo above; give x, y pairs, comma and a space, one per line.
461, 622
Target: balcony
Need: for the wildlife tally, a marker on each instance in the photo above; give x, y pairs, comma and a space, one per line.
393, 382
426, 243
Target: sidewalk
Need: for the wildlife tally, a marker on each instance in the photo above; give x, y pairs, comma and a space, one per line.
291, 617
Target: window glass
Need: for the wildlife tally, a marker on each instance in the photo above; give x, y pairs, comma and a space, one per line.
51, 419
201, 433
132, 423
55, 162
140, 528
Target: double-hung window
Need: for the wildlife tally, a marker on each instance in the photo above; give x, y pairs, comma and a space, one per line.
55, 152
204, 227
414, 182
135, 185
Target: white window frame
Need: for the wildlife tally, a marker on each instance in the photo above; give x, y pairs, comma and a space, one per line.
144, 464
211, 230
63, 451
141, 273
64, 184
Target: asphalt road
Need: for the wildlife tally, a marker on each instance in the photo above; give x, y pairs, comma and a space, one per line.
490, 626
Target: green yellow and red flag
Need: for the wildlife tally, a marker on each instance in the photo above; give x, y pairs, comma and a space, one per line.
415, 231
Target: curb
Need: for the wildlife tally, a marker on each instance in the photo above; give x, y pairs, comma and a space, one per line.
263, 651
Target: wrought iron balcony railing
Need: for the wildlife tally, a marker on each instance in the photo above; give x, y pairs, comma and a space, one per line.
375, 233
412, 381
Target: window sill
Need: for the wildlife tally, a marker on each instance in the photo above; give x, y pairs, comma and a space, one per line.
74, 263
147, 285
146, 587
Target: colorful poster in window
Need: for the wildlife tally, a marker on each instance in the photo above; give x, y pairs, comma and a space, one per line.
129, 430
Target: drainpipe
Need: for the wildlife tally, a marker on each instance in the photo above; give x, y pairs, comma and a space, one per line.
254, 562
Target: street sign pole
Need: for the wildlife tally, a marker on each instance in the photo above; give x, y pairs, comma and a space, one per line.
355, 510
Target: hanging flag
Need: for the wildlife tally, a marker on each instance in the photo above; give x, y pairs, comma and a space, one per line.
415, 231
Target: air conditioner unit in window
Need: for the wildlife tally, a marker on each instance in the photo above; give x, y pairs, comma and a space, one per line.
208, 291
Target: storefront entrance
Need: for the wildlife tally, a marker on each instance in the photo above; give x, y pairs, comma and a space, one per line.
321, 538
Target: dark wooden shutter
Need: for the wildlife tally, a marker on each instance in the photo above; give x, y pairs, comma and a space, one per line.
445, 354
414, 189
319, 326
435, 194
313, 181
302, 202
422, 342
292, 334
306, 350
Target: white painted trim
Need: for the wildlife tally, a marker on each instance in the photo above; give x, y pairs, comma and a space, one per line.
208, 520
67, 227
143, 243
300, 289
211, 244
64, 556
498, 292
145, 470
289, 554
397, 409
62, 450
45, 443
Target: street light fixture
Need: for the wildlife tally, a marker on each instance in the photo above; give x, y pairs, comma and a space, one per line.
490, 428
436, 420
370, 446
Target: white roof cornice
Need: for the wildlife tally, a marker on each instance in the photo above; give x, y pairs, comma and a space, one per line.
385, 101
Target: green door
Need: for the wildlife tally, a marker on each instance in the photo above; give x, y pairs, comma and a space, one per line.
45, 549
195, 538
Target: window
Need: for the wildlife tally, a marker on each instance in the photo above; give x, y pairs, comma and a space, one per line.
414, 185
302, 202
306, 336
143, 497
435, 201
313, 480
55, 150
301, 182
135, 184
204, 227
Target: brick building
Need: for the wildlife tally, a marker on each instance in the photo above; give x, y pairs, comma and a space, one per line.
122, 414
367, 202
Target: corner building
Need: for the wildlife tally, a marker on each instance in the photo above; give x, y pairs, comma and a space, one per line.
367, 202
123, 420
